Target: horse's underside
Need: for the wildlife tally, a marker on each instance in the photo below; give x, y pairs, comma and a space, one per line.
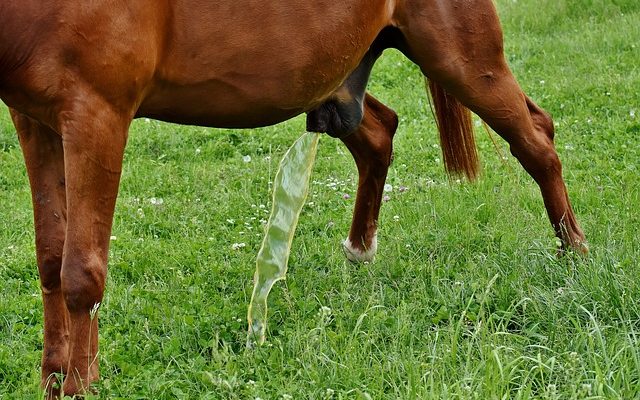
75, 75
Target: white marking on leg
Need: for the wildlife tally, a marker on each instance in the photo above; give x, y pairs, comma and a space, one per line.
356, 255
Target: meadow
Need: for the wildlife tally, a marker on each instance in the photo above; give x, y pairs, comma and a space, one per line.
466, 299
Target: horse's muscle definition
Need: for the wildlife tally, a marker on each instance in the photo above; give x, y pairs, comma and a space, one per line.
75, 74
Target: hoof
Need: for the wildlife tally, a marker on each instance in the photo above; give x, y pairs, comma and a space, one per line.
579, 247
571, 237
582, 248
51, 386
357, 255
75, 387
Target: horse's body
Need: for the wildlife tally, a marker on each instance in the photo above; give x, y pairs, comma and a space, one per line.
228, 64
76, 74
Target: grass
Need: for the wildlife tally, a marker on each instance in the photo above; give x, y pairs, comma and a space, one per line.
471, 305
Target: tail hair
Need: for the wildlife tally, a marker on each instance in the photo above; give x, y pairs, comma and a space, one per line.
456, 134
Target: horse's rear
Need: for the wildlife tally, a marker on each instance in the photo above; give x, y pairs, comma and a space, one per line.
459, 45
75, 75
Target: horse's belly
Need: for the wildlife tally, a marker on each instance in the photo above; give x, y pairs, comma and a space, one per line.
237, 100
232, 98
214, 107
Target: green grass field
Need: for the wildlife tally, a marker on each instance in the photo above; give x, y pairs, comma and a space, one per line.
466, 300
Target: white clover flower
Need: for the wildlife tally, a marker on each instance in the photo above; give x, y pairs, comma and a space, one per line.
237, 246
246, 158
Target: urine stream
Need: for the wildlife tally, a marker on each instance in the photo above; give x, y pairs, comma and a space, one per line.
290, 188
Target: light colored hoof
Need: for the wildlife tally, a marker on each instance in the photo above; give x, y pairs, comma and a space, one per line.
579, 247
582, 247
356, 255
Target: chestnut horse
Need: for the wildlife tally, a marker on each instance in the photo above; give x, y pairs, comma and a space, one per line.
75, 74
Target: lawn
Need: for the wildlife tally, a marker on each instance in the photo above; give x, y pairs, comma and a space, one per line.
466, 299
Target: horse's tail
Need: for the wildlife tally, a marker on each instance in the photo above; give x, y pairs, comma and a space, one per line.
456, 133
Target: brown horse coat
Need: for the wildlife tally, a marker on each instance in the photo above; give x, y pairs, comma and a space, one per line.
76, 73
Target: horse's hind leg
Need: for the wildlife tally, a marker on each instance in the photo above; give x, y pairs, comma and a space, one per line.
43, 155
459, 45
371, 147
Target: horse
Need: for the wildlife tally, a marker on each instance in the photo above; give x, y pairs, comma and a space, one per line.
75, 75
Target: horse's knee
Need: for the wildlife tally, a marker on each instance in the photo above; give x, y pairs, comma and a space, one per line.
83, 281
49, 252
49, 268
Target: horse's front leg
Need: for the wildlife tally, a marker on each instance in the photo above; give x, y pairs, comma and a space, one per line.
94, 136
42, 149
371, 147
